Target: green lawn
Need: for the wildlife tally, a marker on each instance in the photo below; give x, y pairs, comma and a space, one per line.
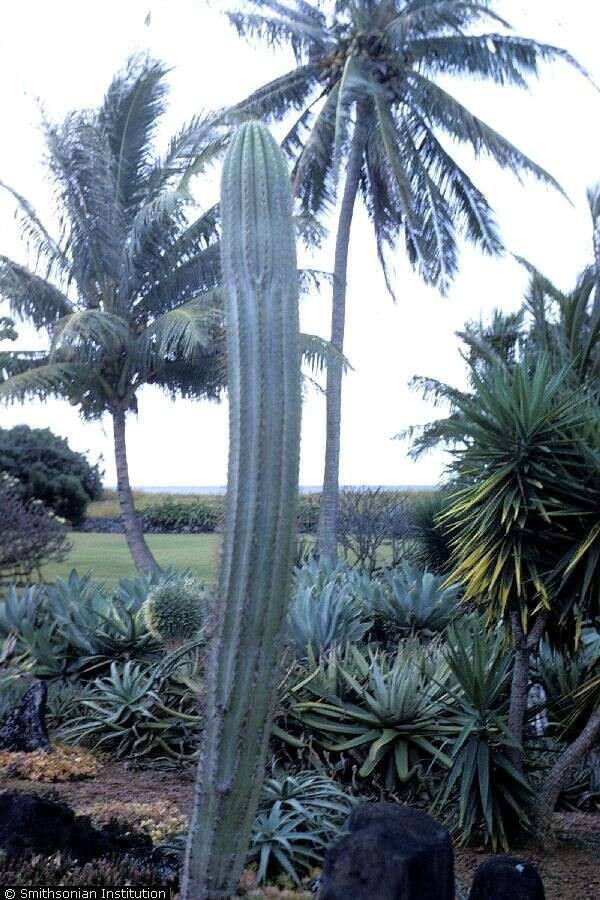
107, 557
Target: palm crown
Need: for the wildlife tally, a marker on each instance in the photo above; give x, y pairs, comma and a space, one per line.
377, 61
126, 288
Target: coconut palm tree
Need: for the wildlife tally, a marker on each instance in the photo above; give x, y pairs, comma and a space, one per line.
127, 291
366, 99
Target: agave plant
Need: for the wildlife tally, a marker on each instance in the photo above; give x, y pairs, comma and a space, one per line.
414, 600
298, 817
325, 619
493, 797
131, 713
80, 629
562, 675
18, 608
394, 718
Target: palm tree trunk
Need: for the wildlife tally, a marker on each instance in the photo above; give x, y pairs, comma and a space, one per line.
327, 544
525, 644
569, 758
138, 547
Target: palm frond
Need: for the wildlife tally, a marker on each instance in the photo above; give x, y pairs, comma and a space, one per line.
63, 380
36, 234
505, 59
78, 336
31, 297
317, 353
182, 333
442, 109
128, 117
275, 99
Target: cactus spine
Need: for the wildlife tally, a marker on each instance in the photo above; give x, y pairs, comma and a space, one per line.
258, 258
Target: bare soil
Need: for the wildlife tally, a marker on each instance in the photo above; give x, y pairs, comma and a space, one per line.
570, 872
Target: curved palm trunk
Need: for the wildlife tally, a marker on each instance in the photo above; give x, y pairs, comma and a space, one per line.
138, 547
557, 777
327, 543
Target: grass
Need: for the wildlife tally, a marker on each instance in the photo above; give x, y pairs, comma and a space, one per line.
108, 558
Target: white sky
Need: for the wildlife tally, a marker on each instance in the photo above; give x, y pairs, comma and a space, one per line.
66, 52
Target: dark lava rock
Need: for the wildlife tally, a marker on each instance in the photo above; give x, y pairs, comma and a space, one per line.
507, 878
392, 853
36, 825
25, 728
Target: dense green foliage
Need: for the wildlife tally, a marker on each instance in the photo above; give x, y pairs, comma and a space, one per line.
50, 471
490, 793
194, 516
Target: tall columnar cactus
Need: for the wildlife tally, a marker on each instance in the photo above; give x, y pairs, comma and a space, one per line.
260, 279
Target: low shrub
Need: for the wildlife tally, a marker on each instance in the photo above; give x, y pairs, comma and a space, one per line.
50, 471
368, 519
30, 534
181, 516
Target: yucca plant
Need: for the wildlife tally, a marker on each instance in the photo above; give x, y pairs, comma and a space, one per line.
366, 99
393, 719
413, 600
519, 453
493, 798
431, 541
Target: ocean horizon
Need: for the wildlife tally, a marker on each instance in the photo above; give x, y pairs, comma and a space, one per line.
304, 488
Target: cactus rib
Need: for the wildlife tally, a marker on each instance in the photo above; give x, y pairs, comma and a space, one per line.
261, 287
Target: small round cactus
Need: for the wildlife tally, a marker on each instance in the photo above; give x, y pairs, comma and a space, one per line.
176, 608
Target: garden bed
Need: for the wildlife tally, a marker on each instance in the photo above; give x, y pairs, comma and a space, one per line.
156, 804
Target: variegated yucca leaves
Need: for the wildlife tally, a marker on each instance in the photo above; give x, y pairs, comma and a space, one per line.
520, 465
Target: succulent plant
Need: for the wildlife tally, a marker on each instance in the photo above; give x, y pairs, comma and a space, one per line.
260, 276
177, 607
415, 600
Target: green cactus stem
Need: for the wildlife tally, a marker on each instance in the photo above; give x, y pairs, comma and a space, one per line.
261, 286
